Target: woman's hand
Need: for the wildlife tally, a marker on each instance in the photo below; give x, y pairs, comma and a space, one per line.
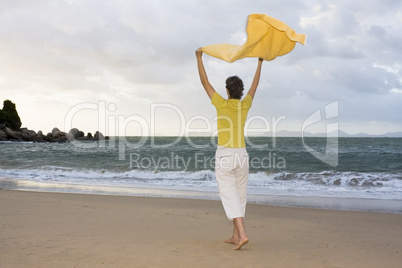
198, 52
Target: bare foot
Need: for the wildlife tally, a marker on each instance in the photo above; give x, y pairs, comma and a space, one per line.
232, 240
241, 243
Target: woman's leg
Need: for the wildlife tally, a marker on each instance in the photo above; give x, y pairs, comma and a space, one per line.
232, 186
241, 174
241, 230
226, 181
235, 237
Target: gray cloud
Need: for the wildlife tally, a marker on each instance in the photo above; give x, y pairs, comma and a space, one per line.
134, 53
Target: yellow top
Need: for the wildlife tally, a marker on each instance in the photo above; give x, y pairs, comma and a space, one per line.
231, 116
267, 38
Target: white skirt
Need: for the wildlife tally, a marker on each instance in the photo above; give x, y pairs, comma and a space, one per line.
231, 172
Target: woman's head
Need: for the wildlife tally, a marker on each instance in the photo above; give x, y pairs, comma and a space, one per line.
235, 87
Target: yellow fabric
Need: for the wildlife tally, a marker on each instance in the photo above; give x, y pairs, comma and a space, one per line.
231, 117
267, 38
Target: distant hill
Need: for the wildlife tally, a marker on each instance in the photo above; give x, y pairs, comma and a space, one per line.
286, 133
386, 135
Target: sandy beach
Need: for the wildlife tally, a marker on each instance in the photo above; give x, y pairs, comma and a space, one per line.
76, 230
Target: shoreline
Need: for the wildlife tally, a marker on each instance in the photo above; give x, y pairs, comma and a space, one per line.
79, 230
393, 206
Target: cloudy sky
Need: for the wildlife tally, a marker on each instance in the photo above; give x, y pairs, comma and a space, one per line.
128, 67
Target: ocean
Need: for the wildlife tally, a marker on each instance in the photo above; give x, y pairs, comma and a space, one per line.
342, 173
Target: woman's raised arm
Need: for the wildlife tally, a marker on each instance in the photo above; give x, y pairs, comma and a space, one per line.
256, 79
203, 75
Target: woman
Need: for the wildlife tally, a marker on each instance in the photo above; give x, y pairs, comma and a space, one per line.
231, 159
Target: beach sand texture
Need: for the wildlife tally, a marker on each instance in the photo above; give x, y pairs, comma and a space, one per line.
77, 230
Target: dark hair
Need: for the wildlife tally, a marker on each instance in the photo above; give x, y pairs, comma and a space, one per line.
235, 87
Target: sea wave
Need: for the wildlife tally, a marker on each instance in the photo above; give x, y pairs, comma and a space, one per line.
380, 185
374, 185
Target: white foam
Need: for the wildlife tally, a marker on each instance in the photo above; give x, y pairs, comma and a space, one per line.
322, 184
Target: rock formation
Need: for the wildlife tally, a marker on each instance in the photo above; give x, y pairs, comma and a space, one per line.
9, 116
10, 129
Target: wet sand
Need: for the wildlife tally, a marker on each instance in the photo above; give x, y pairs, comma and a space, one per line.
77, 230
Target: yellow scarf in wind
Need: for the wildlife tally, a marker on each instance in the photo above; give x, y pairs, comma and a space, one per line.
267, 38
